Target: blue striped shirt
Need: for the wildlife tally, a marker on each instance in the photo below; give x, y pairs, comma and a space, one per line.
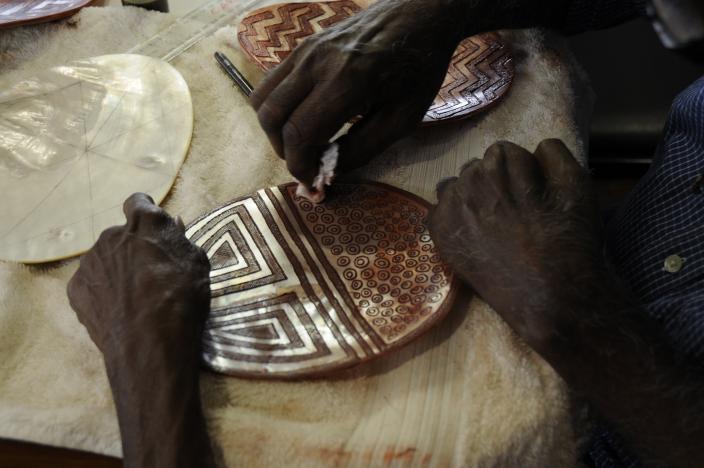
656, 241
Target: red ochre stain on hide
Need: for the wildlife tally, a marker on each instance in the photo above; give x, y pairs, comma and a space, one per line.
396, 457
403, 456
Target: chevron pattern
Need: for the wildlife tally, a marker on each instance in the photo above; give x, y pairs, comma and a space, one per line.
270, 34
301, 289
480, 73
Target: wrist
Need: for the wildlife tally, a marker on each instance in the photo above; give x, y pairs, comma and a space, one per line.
155, 386
582, 318
160, 415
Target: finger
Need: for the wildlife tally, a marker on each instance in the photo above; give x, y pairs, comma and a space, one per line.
137, 202
143, 215
500, 152
558, 165
488, 174
374, 134
271, 81
469, 178
520, 167
444, 185
311, 126
280, 104
439, 213
470, 181
449, 219
468, 165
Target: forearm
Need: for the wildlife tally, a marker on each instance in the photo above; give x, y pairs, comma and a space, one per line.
143, 294
615, 355
159, 411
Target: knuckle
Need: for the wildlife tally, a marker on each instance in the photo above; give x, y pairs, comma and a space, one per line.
509, 149
499, 151
292, 134
151, 214
549, 146
469, 166
110, 233
444, 185
137, 200
134, 198
493, 156
131, 200
270, 117
554, 149
157, 215
472, 172
499, 146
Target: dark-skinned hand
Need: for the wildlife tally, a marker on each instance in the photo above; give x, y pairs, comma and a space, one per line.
386, 64
523, 230
143, 294
142, 283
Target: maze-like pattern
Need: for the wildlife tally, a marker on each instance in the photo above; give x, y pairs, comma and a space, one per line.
300, 289
479, 74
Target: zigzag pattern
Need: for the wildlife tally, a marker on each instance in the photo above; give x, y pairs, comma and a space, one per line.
270, 34
479, 74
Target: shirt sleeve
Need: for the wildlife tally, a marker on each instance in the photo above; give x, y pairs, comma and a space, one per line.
586, 15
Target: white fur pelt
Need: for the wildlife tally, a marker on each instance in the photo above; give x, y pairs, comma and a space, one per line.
468, 393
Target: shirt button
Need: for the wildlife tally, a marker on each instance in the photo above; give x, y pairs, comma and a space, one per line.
673, 264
